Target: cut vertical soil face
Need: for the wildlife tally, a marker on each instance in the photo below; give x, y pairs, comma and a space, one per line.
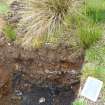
45, 76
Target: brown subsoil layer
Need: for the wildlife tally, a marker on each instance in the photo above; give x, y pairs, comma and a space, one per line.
52, 74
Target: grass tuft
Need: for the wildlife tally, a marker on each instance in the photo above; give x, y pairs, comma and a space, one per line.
89, 34
9, 32
96, 53
95, 9
42, 17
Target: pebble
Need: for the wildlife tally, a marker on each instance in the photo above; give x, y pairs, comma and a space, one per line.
18, 93
9, 44
42, 100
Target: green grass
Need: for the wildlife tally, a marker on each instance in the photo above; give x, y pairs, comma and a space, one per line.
96, 53
9, 32
89, 34
79, 102
95, 10
3, 8
90, 69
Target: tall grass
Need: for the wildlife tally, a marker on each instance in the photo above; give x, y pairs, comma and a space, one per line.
9, 32
95, 10
42, 17
96, 53
89, 34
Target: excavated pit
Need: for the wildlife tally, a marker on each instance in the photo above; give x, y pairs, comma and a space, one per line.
52, 74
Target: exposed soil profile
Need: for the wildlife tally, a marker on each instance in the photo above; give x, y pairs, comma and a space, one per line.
44, 76
52, 73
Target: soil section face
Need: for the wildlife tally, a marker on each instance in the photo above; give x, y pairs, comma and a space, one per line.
51, 75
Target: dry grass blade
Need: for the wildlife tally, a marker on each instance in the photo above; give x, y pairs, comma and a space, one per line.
40, 17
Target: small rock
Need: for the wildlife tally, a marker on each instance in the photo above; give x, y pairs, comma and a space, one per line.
42, 100
18, 93
9, 44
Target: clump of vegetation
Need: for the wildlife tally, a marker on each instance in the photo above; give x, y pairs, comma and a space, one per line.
88, 70
46, 21
9, 32
89, 34
80, 102
96, 53
95, 9
43, 17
